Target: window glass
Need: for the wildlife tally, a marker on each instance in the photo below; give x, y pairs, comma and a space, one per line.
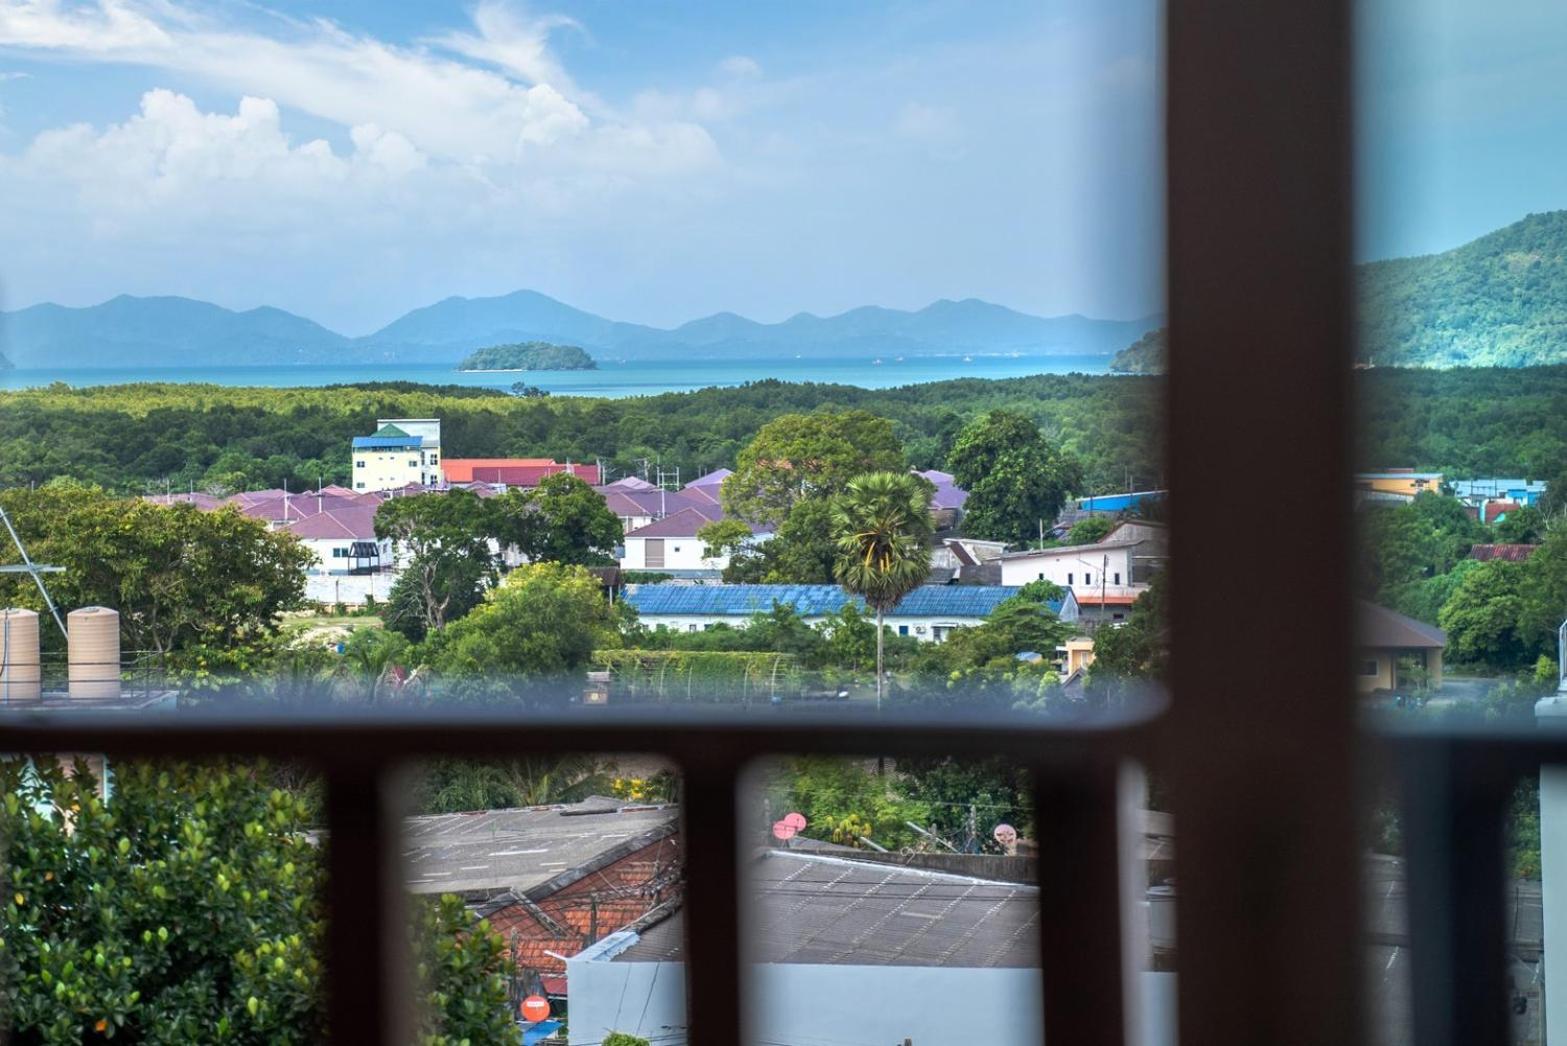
520, 360
1461, 445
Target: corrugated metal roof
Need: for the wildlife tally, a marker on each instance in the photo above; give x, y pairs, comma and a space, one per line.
824, 910
388, 442
1511, 553
976, 601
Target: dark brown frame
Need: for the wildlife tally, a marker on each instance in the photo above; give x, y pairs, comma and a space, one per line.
1260, 748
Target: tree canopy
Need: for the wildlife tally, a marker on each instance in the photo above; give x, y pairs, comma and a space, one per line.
801, 456
1014, 476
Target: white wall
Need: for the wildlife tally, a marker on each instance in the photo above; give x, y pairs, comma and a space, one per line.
929, 629
1078, 569
328, 562
796, 1003
391, 469
679, 554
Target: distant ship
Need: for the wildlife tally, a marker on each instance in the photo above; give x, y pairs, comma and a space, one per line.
968, 359
877, 361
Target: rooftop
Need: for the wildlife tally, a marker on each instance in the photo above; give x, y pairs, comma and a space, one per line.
823, 910
531, 850
682, 524
1383, 629
815, 600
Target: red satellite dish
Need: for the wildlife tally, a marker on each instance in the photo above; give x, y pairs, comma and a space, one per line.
783, 830
535, 1008
796, 820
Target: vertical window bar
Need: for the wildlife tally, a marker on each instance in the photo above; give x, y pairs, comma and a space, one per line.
367, 929
1454, 802
712, 905
1261, 759
1075, 810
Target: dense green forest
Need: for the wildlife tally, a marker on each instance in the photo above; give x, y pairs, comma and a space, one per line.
135, 438
1498, 301
528, 355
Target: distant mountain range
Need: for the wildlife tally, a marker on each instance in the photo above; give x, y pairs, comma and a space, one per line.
171, 332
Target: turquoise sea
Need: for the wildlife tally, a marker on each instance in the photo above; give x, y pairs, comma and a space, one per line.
610, 379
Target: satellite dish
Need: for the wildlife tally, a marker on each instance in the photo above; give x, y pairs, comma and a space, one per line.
535, 1008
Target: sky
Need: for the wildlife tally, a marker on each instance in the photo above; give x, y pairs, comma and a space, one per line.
658, 161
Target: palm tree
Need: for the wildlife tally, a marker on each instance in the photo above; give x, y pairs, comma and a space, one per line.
882, 526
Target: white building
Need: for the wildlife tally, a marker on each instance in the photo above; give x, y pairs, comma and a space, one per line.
671, 546
403, 451
1121, 564
928, 613
343, 541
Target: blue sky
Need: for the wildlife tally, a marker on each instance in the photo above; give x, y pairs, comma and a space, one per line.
658, 161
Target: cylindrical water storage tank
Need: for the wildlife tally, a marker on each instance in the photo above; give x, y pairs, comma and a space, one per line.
95, 652
21, 678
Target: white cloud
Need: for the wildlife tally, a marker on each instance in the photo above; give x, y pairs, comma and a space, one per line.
932, 125
740, 67
490, 95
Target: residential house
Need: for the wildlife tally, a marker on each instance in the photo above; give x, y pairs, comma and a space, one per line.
1111, 572
343, 540
1396, 652
929, 613
402, 451
552, 880
946, 504
671, 545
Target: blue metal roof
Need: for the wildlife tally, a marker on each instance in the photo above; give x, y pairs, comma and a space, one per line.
1118, 502
388, 442
815, 600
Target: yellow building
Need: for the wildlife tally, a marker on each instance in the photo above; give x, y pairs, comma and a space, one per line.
1079, 654
1406, 482
403, 452
1394, 652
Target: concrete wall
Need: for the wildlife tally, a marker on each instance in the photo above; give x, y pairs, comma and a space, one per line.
679, 554
1367, 680
1078, 570
792, 1003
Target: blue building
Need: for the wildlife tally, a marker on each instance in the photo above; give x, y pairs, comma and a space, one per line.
927, 613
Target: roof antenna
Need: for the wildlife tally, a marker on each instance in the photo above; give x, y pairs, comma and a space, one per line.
27, 566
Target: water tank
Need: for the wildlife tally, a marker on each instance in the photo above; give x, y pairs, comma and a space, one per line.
20, 677
95, 652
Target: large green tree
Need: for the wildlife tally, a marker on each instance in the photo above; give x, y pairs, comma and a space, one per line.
543, 621
883, 527
563, 520
188, 910
799, 456
445, 543
1016, 479
187, 584
1482, 616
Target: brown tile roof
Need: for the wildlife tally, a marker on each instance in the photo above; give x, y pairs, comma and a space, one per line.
1511, 553
1379, 628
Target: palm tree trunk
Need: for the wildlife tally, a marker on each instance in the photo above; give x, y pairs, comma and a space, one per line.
878, 658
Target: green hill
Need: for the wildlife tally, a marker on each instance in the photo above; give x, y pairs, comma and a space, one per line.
1499, 301
1143, 356
532, 355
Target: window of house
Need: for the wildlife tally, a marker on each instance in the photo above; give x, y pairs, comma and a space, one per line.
1088, 577
1117, 580
903, 630
359, 464
1068, 577
1370, 668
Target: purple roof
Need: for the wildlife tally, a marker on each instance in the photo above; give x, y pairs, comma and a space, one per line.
939, 477
682, 524
712, 479
628, 483
624, 503
355, 522
948, 496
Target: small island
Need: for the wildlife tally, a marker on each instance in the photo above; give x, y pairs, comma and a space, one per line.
531, 355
